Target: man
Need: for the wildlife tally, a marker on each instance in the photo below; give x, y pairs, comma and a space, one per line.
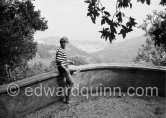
62, 63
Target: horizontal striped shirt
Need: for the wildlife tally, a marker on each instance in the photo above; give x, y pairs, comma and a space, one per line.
61, 57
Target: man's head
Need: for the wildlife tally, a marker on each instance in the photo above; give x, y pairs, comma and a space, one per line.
63, 42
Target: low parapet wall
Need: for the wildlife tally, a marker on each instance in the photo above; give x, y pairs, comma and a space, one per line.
103, 75
123, 77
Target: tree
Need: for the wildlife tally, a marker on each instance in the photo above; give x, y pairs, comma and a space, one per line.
18, 23
153, 26
116, 21
154, 55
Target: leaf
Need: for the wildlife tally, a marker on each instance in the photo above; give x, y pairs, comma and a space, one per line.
132, 21
102, 8
106, 29
98, 8
142, 1
93, 19
123, 32
120, 5
130, 5
109, 22
111, 37
115, 24
163, 2
124, 27
119, 16
102, 21
96, 13
107, 13
148, 2
125, 3
88, 14
87, 1
113, 30
94, 1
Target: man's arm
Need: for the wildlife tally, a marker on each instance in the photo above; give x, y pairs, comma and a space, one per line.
59, 62
59, 59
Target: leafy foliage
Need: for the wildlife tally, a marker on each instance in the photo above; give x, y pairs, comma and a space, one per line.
154, 52
18, 23
155, 27
115, 21
24, 71
163, 2
154, 55
53, 66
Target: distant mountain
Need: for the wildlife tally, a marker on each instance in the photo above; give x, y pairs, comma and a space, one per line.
54, 40
85, 45
47, 50
90, 46
120, 52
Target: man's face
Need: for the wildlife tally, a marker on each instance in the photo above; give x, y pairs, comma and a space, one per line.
63, 45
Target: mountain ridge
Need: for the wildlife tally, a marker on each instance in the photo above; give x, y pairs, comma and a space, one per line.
121, 52
46, 51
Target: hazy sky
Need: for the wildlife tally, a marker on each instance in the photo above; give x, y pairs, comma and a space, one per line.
68, 18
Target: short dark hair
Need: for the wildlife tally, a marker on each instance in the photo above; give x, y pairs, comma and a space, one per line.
64, 39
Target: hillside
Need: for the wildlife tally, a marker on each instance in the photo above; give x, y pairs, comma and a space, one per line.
85, 45
47, 49
120, 52
90, 46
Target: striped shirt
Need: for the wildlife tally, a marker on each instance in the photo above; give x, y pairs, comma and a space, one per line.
61, 57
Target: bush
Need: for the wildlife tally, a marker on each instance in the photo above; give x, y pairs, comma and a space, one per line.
154, 50
149, 53
18, 23
23, 71
52, 66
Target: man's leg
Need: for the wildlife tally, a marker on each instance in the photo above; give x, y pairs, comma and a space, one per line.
62, 85
69, 85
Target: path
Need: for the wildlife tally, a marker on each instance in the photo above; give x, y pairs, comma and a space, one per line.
105, 107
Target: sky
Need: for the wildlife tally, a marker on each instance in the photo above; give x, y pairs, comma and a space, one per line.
68, 18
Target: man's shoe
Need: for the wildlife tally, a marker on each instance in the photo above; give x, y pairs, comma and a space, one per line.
67, 101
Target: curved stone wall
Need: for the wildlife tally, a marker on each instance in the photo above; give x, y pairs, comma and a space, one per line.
134, 76
103, 75
20, 105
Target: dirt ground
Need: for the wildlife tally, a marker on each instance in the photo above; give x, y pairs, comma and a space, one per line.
105, 107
